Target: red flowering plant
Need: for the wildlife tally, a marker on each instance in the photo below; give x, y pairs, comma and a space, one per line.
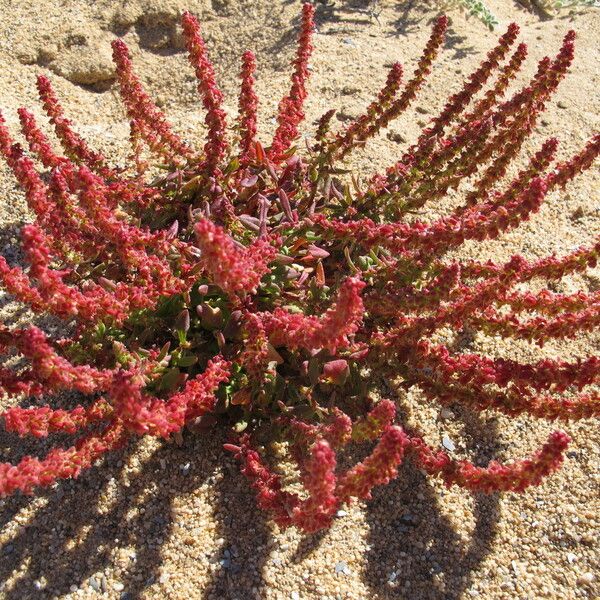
249, 286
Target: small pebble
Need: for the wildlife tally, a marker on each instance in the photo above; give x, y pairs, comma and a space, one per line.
341, 513
571, 557
295, 596
561, 104
446, 413
408, 519
342, 567
448, 443
396, 137
185, 469
94, 584
585, 579
118, 586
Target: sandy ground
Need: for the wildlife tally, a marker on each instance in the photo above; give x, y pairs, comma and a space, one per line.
160, 521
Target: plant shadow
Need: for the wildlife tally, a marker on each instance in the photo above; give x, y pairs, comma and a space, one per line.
112, 519
412, 16
415, 550
115, 518
356, 12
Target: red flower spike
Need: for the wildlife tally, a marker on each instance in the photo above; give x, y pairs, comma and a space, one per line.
248, 105
329, 331
41, 421
212, 98
150, 121
318, 477
514, 478
144, 414
232, 268
377, 469
290, 113
59, 464
74, 145
375, 422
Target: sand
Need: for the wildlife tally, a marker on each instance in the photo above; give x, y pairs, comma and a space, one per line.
161, 521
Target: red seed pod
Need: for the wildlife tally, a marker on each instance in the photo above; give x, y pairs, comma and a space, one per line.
336, 371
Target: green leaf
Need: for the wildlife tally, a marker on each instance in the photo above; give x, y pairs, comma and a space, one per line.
187, 360
163, 352
314, 370
169, 380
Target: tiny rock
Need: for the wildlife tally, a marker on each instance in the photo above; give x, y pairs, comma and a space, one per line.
342, 567
94, 584
446, 413
586, 579
448, 443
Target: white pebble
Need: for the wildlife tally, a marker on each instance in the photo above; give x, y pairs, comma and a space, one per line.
446, 413
118, 586
448, 443
342, 567
585, 579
